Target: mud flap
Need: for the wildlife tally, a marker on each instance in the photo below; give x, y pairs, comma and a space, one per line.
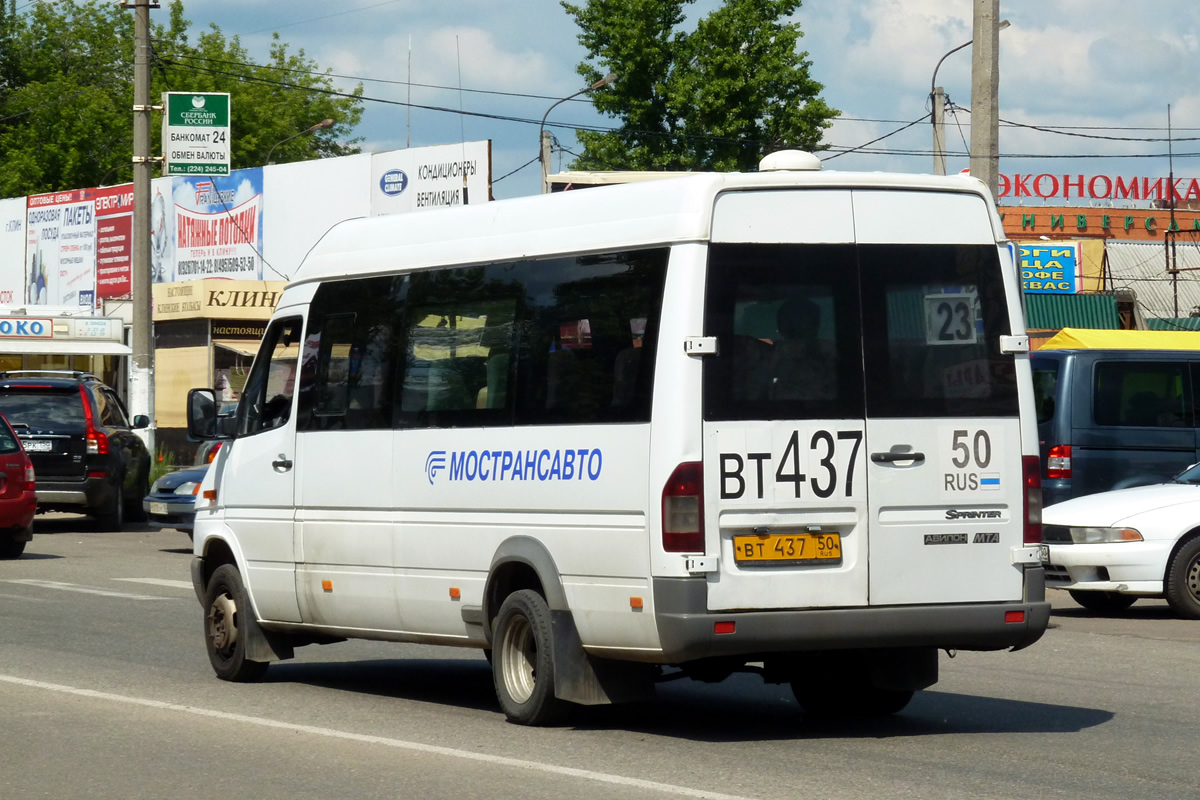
589, 681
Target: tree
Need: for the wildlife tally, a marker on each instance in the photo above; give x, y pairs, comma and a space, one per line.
66, 94
716, 98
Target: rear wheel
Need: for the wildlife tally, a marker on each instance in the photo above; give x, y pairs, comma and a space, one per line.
225, 606
134, 511
11, 548
113, 519
523, 661
1102, 602
862, 700
1183, 581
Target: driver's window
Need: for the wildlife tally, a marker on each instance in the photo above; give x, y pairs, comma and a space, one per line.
267, 398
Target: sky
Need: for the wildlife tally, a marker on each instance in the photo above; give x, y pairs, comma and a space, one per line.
1102, 71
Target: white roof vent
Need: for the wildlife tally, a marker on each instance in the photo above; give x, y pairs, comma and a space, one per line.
789, 160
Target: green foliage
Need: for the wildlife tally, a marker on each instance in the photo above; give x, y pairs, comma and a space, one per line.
66, 94
164, 462
716, 98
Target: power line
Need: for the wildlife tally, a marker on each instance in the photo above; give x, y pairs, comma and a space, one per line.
326, 16
364, 79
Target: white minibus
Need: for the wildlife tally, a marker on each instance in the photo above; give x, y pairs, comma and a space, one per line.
778, 421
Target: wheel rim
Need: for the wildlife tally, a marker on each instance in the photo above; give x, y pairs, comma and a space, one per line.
518, 659
1192, 580
222, 624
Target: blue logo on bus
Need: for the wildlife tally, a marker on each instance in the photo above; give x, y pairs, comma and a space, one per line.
582, 464
393, 182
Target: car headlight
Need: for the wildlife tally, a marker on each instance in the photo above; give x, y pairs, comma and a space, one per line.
191, 487
1103, 535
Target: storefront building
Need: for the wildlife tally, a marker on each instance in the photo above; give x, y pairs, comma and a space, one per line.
206, 333
77, 343
1104, 251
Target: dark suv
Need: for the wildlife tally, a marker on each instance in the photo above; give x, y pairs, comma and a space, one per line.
86, 457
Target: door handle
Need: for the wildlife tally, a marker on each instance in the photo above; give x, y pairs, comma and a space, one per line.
891, 458
282, 464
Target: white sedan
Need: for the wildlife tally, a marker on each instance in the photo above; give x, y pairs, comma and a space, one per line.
1111, 548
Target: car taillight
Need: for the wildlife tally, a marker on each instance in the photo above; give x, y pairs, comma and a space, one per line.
29, 481
97, 442
683, 509
1033, 499
213, 453
1058, 461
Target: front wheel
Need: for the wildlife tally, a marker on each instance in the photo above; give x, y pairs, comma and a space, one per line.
523, 661
1102, 602
226, 606
1183, 581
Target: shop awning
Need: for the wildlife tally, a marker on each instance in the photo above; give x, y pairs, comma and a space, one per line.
248, 349
63, 347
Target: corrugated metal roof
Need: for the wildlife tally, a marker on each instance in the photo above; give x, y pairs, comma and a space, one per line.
1176, 324
1053, 311
1142, 266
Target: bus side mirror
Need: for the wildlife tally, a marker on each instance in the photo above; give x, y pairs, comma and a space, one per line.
202, 413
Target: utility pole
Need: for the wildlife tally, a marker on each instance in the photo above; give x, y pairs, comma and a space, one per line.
545, 162
141, 372
985, 92
939, 131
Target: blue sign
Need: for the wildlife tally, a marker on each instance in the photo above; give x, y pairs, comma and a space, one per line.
393, 182
1049, 269
514, 465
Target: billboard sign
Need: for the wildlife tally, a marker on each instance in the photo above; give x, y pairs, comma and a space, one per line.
114, 242
195, 133
1049, 269
60, 249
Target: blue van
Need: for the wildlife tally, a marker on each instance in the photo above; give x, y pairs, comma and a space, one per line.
1114, 418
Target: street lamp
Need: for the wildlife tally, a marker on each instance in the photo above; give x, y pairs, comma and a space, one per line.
322, 125
544, 137
939, 108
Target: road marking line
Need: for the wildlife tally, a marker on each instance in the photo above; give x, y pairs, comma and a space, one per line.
71, 587
399, 744
158, 582
5, 596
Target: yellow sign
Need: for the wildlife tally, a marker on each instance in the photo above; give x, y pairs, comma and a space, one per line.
216, 299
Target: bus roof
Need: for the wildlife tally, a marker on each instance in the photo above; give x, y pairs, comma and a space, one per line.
635, 215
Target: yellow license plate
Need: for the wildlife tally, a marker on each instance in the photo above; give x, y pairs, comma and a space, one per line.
781, 548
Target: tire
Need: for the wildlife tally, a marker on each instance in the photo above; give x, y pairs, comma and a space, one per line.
113, 519
224, 602
11, 548
523, 661
850, 700
134, 512
1102, 602
1183, 581
840, 686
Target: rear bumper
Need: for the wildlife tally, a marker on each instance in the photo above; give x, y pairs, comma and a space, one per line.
685, 626
92, 493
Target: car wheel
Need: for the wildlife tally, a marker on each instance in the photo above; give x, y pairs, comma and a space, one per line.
523, 661
1102, 602
134, 510
11, 548
851, 699
224, 604
114, 518
1183, 581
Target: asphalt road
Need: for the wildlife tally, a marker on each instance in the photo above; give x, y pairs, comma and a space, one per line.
106, 692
